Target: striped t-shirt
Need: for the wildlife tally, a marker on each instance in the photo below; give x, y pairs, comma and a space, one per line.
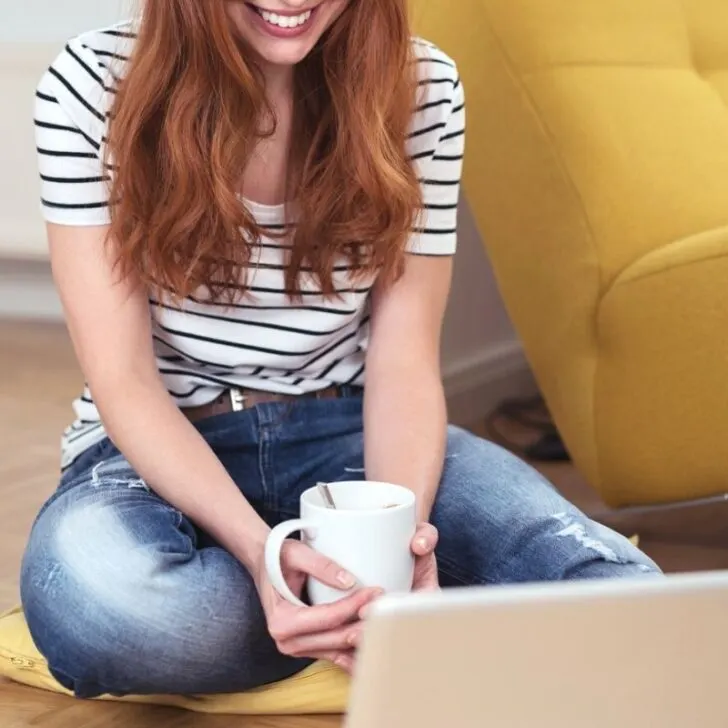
263, 341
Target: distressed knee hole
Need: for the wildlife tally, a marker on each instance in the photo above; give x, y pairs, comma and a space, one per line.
116, 472
577, 531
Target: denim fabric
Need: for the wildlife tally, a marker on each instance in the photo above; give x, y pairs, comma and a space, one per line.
123, 595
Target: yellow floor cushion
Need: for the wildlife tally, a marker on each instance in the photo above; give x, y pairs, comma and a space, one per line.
321, 689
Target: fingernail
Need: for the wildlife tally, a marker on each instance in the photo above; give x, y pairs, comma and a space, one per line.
345, 579
364, 612
352, 639
423, 544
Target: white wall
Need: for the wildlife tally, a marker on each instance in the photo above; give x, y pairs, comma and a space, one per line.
53, 21
483, 360
32, 32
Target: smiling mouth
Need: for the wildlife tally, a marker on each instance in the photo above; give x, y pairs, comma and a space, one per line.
278, 20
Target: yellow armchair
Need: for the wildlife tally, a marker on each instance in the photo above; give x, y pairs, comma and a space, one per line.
597, 169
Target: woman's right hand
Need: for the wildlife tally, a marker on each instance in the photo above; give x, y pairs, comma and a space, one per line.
327, 632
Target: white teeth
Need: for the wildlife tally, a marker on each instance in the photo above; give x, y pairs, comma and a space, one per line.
284, 21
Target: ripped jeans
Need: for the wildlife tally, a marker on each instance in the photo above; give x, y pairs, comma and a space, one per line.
124, 595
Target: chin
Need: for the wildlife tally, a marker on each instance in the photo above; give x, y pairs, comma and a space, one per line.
283, 54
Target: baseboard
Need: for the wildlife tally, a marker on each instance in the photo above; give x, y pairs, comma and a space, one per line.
476, 385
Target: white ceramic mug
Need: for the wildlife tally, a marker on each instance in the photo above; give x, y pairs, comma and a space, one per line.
369, 534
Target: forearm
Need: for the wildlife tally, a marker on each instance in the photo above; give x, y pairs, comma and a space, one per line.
176, 462
405, 431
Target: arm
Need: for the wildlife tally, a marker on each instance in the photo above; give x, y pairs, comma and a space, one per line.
109, 320
109, 323
405, 418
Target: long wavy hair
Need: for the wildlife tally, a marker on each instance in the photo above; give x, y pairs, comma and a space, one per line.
191, 109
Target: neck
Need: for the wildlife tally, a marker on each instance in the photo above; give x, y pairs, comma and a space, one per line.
278, 83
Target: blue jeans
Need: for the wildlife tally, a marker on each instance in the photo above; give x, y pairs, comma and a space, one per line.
124, 595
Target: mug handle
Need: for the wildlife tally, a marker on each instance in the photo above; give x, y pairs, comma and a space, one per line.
273, 547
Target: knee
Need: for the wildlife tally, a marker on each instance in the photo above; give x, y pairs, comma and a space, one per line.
590, 550
496, 511
114, 615
85, 555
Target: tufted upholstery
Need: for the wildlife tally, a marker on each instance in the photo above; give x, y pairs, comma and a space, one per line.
597, 169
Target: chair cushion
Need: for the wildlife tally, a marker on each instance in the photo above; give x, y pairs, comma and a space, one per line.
320, 689
598, 147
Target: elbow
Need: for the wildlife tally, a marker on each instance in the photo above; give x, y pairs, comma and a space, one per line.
116, 388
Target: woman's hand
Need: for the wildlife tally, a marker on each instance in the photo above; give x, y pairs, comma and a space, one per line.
328, 632
423, 547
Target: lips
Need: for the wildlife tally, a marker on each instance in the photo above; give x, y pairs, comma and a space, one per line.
282, 20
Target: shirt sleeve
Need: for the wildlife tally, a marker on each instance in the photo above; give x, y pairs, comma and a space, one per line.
69, 128
440, 175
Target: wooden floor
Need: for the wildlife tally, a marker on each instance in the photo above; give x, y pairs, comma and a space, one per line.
38, 379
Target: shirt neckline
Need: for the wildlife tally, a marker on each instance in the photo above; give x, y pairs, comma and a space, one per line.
265, 213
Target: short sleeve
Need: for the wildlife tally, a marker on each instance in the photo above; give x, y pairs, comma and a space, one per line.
70, 123
440, 172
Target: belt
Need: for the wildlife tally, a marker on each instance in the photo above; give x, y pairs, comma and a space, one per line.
237, 400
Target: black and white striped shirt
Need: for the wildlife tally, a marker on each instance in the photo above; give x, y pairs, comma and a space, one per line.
263, 341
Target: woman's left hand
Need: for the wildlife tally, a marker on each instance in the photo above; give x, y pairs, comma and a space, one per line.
423, 547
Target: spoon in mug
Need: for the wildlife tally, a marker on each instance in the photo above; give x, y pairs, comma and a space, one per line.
326, 496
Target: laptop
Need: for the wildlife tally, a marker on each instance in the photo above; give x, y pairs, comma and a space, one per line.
649, 653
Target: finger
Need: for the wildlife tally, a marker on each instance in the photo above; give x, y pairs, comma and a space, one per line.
425, 540
344, 660
290, 623
336, 640
302, 558
366, 610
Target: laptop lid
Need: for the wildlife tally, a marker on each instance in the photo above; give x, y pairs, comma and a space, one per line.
647, 653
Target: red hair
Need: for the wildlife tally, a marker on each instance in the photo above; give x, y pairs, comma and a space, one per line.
189, 113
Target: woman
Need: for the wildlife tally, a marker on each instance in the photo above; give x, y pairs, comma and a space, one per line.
245, 214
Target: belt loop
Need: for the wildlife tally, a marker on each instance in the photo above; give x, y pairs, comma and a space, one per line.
237, 399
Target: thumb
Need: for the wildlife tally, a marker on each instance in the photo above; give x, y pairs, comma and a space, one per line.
302, 558
425, 540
